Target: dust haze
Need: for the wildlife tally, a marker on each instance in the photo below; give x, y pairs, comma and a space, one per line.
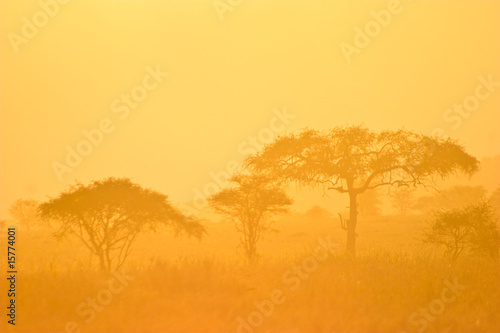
319, 166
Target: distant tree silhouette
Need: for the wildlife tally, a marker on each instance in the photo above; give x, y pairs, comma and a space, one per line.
107, 216
453, 197
403, 199
25, 212
472, 228
250, 205
369, 203
318, 213
353, 160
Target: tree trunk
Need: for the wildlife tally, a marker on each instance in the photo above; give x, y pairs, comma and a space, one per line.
102, 261
251, 252
351, 225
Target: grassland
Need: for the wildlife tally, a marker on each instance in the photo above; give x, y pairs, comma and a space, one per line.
186, 285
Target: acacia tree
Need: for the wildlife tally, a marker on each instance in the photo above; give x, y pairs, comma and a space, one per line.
354, 159
250, 205
25, 211
402, 199
107, 216
472, 229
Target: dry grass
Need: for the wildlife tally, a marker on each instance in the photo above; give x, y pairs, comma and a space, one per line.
184, 285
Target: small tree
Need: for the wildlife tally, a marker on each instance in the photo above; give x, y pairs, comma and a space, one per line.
107, 216
250, 205
25, 212
403, 199
469, 229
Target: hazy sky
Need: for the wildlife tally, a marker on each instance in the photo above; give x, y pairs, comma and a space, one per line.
225, 79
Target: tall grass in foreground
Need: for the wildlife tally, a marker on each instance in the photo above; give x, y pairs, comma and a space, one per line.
378, 292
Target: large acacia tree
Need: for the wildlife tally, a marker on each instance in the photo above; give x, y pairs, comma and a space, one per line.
107, 216
354, 159
24, 211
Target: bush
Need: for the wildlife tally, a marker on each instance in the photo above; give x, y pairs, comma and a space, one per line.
471, 229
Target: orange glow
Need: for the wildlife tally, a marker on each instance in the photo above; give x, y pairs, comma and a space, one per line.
176, 95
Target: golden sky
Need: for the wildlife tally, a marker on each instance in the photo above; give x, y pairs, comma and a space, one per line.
227, 79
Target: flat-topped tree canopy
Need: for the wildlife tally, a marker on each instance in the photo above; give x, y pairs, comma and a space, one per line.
353, 159
106, 215
366, 158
